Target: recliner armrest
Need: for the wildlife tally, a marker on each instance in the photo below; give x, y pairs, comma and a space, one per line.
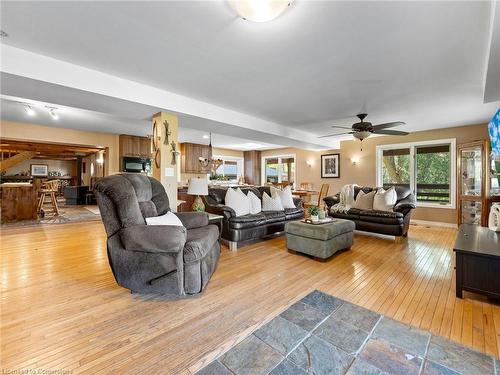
154, 238
193, 220
406, 204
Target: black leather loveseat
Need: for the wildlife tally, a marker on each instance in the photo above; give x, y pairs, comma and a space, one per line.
252, 226
394, 223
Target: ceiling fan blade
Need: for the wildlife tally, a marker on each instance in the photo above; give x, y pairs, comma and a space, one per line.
390, 132
388, 125
341, 127
333, 135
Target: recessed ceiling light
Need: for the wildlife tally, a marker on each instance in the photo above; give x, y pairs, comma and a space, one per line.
205, 136
3, 34
259, 10
30, 111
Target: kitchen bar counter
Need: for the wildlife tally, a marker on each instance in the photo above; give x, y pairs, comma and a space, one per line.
18, 201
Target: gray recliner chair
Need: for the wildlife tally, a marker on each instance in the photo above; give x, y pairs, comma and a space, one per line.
171, 260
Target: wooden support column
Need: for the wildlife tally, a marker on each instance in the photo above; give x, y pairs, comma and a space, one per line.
165, 168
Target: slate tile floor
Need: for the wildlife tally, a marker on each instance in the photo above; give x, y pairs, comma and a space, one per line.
321, 334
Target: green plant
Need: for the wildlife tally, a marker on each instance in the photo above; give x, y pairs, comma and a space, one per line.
313, 210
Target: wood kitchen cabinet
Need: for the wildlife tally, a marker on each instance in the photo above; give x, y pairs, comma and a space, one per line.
190, 154
131, 145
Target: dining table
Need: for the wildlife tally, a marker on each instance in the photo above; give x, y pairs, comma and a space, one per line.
305, 194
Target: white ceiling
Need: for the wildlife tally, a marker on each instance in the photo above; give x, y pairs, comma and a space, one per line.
13, 109
318, 64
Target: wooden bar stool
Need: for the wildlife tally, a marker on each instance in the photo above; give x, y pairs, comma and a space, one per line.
49, 189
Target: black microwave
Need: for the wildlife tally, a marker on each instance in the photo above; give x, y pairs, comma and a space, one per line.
136, 165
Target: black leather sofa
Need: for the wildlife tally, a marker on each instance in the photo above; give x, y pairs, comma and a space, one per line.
252, 226
394, 223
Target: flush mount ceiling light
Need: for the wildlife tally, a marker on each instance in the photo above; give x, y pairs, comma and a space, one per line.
205, 136
259, 10
30, 111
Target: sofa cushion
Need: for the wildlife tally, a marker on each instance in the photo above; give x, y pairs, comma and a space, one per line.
352, 214
255, 202
238, 201
364, 201
384, 200
247, 221
274, 216
383, 217
199, 241
271, 203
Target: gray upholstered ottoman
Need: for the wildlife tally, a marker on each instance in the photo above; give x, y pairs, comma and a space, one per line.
321, 241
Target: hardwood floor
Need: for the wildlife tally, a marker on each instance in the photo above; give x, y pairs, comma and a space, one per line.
61, 308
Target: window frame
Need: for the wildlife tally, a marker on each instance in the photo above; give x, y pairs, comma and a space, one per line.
279, 157
240, 165
452, 142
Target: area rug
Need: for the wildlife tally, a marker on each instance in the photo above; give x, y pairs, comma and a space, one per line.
321, 334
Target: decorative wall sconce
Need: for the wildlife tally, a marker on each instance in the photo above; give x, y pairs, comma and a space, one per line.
355, 160
155, 149
309, 163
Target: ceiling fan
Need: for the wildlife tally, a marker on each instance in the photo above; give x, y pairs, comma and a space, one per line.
363, 129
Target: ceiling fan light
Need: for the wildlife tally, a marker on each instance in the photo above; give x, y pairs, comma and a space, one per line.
361, 135
259, 10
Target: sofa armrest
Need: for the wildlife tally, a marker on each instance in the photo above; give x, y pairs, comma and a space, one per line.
331, 200
221, 209
193, 220
405, 205
297, 202
154, 238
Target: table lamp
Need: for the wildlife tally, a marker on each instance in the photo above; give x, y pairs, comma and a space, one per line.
198, 186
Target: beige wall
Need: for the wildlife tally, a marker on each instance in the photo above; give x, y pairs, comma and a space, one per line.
40, 133
364, 173
66, 167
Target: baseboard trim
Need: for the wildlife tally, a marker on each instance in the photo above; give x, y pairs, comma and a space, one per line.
433, 223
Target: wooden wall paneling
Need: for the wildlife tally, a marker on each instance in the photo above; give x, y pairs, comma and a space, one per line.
252, 160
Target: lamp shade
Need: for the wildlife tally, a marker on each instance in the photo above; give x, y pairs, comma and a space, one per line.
198, 186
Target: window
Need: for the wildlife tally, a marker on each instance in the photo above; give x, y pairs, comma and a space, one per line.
231, 168
427, 168
279, 169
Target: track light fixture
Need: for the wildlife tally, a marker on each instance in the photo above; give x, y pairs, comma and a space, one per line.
53, 113
29, 111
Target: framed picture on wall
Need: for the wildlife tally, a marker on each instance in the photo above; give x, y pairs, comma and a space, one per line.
330, 166
41, 170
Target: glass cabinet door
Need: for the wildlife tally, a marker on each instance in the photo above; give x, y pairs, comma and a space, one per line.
470, 212
471, 171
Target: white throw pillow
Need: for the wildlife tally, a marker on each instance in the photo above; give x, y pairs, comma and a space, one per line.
238, 201
364, 201
274, 191
384, 200
168, 219
255, 203
286, 197
271, 204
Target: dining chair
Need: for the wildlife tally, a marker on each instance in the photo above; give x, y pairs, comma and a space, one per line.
306, 186
322, 194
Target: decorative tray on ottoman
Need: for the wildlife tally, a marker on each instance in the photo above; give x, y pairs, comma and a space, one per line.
326, 220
